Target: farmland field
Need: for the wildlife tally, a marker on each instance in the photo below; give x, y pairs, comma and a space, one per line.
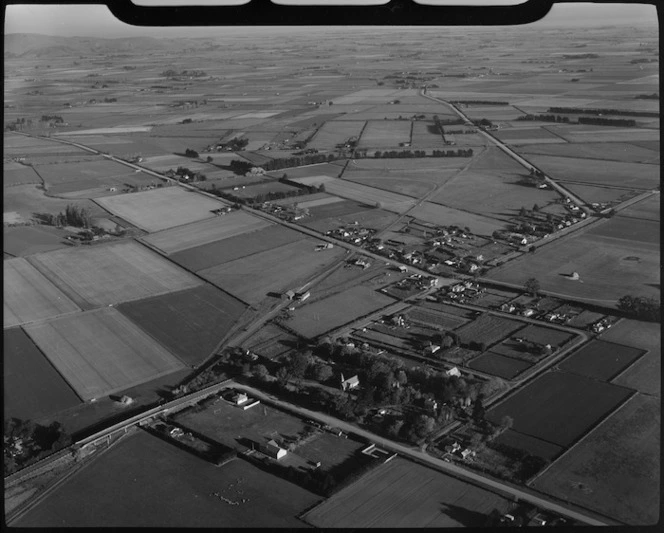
32, 387
111, 490
615, 470
404, 494
385, 133
600, 193
435, 318
101, 352
488, 329
369, 195
559, 407
625, 152
276, 270
544, 335
27, 240
335, 132
109, 274
161, 208
629, 229
89, 173
15, 174
190, 323
323, 315
601, 360
499, 365
28, 296
648, 209
181, 238
531, 445
425, 136
222, 251
445, 216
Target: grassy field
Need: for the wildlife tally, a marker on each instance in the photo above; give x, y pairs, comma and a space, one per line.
601, 360
559, 407
206, 231
385, 133
648, 209
544, 335
323, 315
600, 193
616, 151
27, 240
529, 444
29, 296
219, 252
252, 191
616, 469
146, 482
277, 270
335, 132
629, 229
32, 387
525, 135
499, 365
161, 208
110, 274
190, 323
17, 174
425, 136
405, 494
89, 173
101, 352
488, 329
445, 216
369, 195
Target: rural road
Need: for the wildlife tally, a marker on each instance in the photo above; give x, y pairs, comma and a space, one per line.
526, 495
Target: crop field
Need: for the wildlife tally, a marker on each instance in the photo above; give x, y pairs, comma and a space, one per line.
645, 374
425, 136
530, 445
559, 407
488, 329
369, 195
32, 387
406, 495
629, 229
527, 135
600, 193
330, 215
415, 183
85, 175
544, 335
183, 492
598, 172
436, 319
648, 209
445, 216
615, 470
601, 360
110, 274
276, 270
385, 133
335, 132
28, 296
517, 350
499, 365
607, 134
608, 268
616, 151
101, 352
204, 232
17, 174
161, 208
27, 240
329, 313
190, 323
219, 252
323, 169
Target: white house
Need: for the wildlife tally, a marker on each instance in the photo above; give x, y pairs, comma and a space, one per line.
454, 371
350, 383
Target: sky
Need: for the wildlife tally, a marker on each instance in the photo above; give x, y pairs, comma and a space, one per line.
97, 20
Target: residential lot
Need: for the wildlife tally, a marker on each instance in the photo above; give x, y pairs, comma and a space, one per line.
559, 407
404, 494
146, 482
101, 352
615, 470
601, 360
28, 296
329, 313
32, 387
109, 274
190, 323
206, 231
161, 208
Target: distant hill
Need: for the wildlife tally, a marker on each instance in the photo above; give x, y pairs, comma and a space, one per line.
37, 45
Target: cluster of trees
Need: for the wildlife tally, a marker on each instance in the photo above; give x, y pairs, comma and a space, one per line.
181, 172
26, 442
599, 111
421, 153
641, 307
190, 153
580, 56
479, 102
51, 118
600, 121
236, 144
170, 73
544, 118
73, 215
644, 60
298, 161
653, 96
268, 196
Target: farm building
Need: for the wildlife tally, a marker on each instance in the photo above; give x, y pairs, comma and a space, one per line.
454, 371
431, 349
240, 398
273, 450
288, 295
350, 383
302, 295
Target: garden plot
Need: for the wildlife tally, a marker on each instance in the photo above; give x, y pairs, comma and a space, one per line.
370, 195
446, 216
336, 132
488, 329
385, 133
161, 208
110, 274
206, 231
28, 296
101, 352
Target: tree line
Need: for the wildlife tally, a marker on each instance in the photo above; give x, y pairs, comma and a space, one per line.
599, 111
73, 215
641, 308
393, 154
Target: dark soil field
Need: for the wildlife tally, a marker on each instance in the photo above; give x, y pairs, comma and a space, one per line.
488, 329
499, 365
531, 445
190, 323
544, 335
146, 482
616, 469
559, 407
337, 209
27, 240
601, 360
32, 387
219, 252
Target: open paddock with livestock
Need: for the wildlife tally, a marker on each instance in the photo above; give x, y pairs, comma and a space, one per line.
161, 208
188, 236
28, 296
101, 352
110, 274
